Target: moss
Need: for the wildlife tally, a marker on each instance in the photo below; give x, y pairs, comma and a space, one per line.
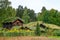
11, 19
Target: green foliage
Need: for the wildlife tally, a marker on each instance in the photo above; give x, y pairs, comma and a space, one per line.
32, 15
20, 11
25, 16
4, 3
45, 18
37, 31
56, 33
6, 11
16, 32
49, 16
43, 9
11, 12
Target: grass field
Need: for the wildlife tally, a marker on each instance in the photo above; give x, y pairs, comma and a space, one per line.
27, 32
33, 24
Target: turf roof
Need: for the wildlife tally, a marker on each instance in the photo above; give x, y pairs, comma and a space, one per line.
11, 19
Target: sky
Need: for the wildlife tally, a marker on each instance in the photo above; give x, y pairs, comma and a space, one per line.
36, 5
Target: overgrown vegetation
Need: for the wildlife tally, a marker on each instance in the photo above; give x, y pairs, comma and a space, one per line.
51, 16
38, 31
16, 32
33, 32
56, 33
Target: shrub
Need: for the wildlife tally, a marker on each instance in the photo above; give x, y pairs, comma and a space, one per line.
56, 33
37, 31
15, 32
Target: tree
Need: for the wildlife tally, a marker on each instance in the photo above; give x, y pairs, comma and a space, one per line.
54, 18
3, 9
32, 15
50, 16
2, 16
42, 13
6, 11
43, 9
39, 16
11, 12
25, 16
46, 16
20, 11
37, 31
4, 3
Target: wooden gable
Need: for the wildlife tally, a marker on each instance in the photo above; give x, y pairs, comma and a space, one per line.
18, 22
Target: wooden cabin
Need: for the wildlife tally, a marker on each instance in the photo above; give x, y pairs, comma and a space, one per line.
17, 22
7, 25
10, 22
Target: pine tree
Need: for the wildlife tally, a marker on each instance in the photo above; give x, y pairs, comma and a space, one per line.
4, 3
37, 31
25, 16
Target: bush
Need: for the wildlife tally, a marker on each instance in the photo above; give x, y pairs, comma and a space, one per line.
49, 32
37, 31
16, 32
56, 33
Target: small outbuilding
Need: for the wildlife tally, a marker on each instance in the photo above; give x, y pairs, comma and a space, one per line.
12, 21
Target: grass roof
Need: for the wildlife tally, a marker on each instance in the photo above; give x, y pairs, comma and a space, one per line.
11, 19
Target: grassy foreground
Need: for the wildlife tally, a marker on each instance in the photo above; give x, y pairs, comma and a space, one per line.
29, 38
18, 32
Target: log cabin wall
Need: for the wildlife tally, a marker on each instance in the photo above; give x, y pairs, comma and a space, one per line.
7, 25
17, 23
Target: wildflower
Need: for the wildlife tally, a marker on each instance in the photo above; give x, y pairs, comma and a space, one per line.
28, 30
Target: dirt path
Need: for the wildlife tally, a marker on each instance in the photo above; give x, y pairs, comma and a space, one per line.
27, 38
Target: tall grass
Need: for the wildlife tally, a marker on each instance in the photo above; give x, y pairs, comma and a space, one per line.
15, 32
